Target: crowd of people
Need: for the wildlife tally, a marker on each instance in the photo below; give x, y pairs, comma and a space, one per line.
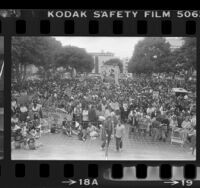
93, 108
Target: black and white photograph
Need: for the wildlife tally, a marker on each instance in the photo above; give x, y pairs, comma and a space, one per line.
10, 13
103, 98
1, 95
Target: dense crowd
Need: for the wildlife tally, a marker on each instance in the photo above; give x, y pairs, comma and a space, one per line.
145, 102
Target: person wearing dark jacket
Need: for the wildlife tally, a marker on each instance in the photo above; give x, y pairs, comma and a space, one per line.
92, 117
107, 130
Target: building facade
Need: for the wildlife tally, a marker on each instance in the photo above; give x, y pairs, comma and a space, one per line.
125, 65
99, 60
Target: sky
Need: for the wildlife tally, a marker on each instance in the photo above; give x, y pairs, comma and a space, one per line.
122, 47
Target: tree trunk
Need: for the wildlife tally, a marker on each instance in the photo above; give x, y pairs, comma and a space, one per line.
20, 72
24, 72
17, 76
73, 72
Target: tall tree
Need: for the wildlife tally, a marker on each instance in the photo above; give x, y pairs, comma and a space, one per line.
74, 58
150, 55
115, 62
24, 52
186, 56
48, 48
38, 51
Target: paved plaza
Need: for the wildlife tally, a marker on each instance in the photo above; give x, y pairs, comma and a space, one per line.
61, 147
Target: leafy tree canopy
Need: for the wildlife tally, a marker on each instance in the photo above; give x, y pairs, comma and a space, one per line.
186, 56
74, 57
115, 62
46, 53
153, 54
150, 55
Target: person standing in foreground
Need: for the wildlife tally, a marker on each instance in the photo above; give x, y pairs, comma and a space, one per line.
119, 135
107, 130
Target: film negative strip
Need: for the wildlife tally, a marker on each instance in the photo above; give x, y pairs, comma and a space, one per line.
99, 98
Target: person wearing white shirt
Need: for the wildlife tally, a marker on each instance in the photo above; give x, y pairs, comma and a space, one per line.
119, 135
85, 114
193, 120
107, 112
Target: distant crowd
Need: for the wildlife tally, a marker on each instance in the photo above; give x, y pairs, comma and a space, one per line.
145, 103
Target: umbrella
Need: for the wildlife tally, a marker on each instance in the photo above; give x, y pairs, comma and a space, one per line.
179, 90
